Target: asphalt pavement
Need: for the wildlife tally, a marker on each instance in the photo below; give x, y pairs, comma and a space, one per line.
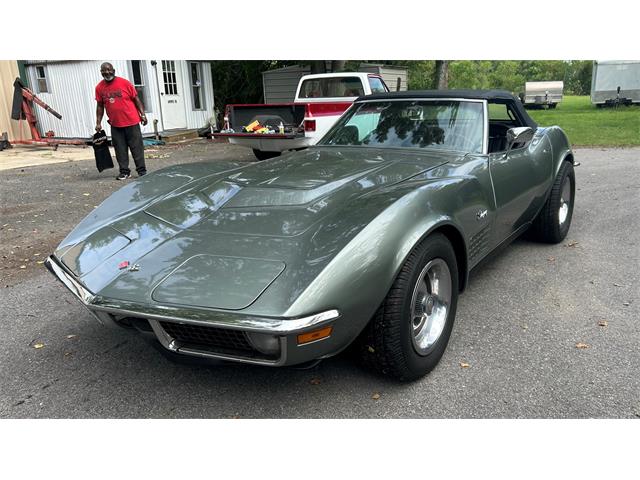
541, 332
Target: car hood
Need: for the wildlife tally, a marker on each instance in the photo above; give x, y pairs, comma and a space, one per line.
220, 240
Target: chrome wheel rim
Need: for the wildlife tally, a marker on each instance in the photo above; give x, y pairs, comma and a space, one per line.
565, 201
430, 305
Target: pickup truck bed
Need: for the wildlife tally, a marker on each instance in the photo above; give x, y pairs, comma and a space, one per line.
319, 101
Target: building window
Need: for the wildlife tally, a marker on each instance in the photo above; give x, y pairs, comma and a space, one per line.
196, 85
138, 73
169, 77
41, 79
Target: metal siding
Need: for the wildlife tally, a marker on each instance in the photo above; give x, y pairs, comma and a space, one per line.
152, 83
71, 93
209, 93
280, 85
72, 89
198, 118
390, 77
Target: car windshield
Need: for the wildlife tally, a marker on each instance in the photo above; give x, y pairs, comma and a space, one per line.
446, 124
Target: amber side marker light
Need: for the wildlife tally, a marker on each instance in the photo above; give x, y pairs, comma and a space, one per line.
315, 335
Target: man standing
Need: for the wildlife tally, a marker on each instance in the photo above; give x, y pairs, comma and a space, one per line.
125, 112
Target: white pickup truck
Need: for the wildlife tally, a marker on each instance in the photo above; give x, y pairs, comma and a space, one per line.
270, 129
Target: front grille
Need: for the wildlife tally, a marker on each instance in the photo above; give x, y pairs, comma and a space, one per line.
212, 339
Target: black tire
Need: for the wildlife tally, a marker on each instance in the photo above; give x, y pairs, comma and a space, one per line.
388, 343
262, 155
549, 226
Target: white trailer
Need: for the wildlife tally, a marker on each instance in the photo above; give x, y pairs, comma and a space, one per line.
539, 94
615, 82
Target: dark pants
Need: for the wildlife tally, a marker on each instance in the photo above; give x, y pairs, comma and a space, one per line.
124, 138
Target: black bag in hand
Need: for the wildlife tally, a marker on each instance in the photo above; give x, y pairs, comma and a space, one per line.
101, 151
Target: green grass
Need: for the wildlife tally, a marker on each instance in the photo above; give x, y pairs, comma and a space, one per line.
586, 125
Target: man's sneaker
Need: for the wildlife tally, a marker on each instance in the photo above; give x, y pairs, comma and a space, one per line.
123, 176
140, 174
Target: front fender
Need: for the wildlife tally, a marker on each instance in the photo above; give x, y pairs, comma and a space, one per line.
360, 275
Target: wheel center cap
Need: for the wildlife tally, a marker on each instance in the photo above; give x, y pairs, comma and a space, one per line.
564, 211
427, 305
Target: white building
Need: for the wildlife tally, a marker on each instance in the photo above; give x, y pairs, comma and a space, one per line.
176, 93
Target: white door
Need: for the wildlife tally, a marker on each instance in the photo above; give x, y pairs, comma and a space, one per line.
171, 95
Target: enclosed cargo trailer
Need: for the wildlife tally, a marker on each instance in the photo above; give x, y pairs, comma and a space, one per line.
615, 82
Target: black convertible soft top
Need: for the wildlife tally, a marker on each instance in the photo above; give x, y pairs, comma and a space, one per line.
492, 96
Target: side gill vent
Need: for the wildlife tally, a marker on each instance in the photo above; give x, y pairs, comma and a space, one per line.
478, 243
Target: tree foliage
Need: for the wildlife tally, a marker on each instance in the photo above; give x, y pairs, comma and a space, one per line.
240, 81
508, 75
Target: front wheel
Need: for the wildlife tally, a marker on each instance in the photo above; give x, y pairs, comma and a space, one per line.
409, 333
262, 155
553, 222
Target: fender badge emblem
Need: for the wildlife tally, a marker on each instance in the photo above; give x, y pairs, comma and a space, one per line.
481, 214
125, 264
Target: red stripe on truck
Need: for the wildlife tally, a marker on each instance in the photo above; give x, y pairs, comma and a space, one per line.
316, 109
326, 109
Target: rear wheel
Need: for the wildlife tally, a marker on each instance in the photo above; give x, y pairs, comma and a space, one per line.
262, 155
408, 334
553, 222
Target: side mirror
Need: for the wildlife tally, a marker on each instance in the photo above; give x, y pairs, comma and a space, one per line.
518, 135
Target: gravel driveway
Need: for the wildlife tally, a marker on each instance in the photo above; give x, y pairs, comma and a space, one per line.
542, 331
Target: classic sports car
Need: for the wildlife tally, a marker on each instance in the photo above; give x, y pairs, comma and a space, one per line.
366, 238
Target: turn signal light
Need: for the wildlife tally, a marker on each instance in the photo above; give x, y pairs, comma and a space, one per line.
315, 335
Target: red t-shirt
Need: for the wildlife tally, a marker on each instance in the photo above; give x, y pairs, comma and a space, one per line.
117, 98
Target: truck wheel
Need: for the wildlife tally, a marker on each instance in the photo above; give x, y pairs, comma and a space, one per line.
262, 155
408, 334
553, 222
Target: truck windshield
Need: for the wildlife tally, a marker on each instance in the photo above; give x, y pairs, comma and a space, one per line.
446, 124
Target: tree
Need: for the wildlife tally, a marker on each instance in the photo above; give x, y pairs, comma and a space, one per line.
578, 79
318, 66
472, 74
338, 65
240, 81
442, 75
420, 75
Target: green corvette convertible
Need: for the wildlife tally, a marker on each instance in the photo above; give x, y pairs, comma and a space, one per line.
365, 239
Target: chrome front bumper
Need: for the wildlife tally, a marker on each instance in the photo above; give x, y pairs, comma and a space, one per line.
109, 311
